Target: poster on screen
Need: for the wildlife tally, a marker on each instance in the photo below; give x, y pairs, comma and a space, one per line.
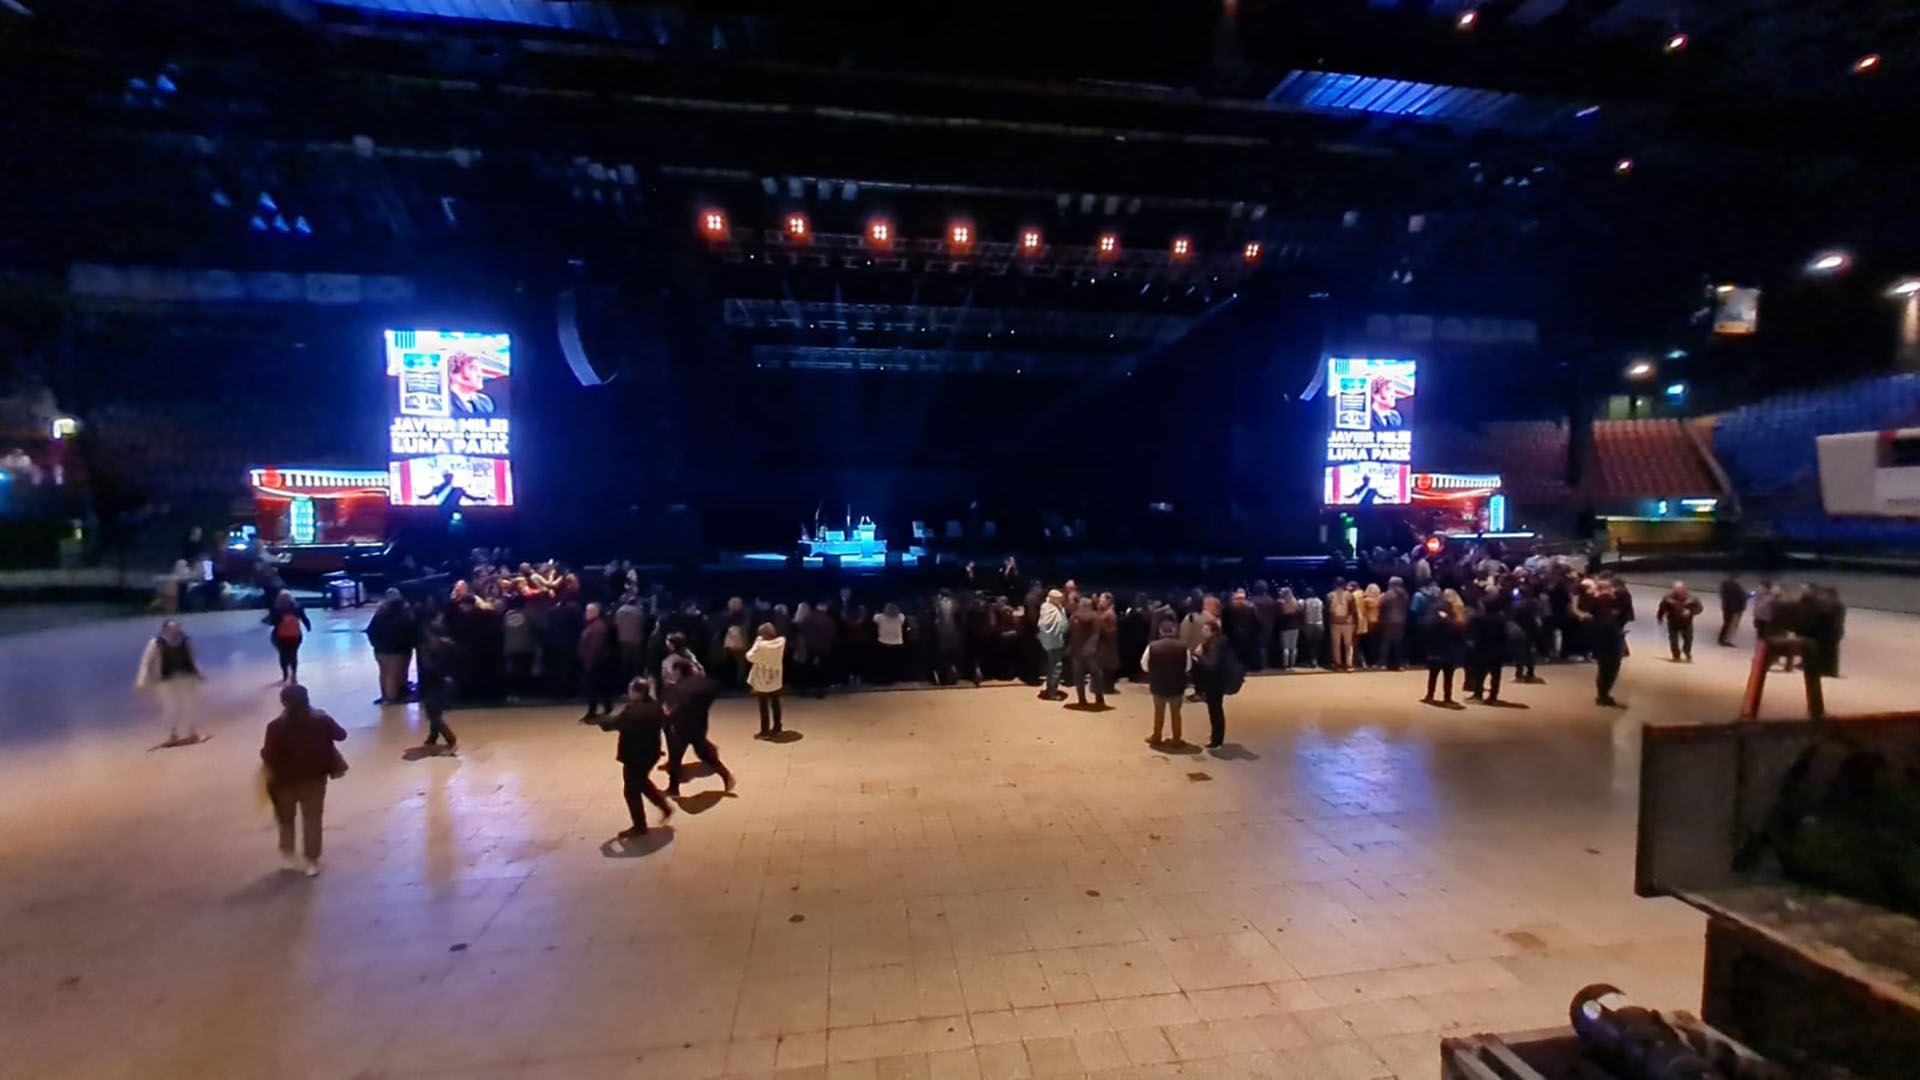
1368, 483
450, 425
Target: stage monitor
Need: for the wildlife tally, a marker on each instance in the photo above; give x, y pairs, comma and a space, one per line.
450, 432
1370, 434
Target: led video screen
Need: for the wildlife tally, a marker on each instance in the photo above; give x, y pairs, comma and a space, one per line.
450, 433
1370, 432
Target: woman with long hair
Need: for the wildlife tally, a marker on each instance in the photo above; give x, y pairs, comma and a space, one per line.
300, 759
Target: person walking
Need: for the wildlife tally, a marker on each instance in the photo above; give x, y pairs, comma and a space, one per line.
1340, 618
1214, 667
687, 708
1053, 625
1604, 626
1678, 609
392, 633
171, 672
439, 666
1167, 664
766, 659
287, 624
599, 663
1733, 605
1083, 654
1442, 635
1487, 648
300, 757
639, 723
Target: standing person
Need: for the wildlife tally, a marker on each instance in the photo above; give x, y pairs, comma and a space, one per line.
817, 632
890, 637
1212, 676
1167, 664
1286, 619
1242, 624
518, 637
1193, 630
1733, 605
1764, 599
1677, 609
1525, 636
1313, 629
392, 632
300, 757
169, 669
733, 631
1053, 642
1442, 634
1487, 648
630, 632
1340, 618
1107, 654
287, 624
1083, 653
687, 708
1266, 612
639, 723
1366, 628
1392, 631
439, 664
1604, 628
599, 663
766, 658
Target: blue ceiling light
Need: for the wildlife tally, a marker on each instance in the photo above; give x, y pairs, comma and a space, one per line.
1590, 110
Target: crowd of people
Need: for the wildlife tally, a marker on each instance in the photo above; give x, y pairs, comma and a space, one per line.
513, 632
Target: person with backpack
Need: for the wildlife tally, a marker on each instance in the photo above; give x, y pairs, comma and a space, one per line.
392, 633
300, 758
288, 623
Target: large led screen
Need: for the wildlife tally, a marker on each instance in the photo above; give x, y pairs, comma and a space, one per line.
450, 434
1370, 434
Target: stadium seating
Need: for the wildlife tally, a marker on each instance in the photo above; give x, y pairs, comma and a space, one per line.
1648, 459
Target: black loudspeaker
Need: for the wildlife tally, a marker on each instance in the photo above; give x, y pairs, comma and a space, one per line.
893, 560
830, 560
795, 561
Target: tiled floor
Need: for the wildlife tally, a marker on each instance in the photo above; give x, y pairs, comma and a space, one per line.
929, 884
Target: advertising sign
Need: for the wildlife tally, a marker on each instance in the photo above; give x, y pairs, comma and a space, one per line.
1370, 434
450, 432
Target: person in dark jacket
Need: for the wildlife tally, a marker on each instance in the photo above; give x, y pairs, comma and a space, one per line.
1603, 626
1242, 624
1487, 648
439, 667
1266, 612
1107, 652
599, 659
1733, 605
640, 723
1392, 631
287, 624
1442, 636
392, 633
1083, 654
1210, 661
1677, 609
687, 708
1524, 637
300, 758
1167, 664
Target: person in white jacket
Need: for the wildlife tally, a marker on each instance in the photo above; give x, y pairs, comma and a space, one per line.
766, 659
170, 671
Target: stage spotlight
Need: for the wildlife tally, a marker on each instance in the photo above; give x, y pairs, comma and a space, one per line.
1623, 166
1587, 111
1030, 242
1866, 63
1182, 247
1677, 390
1108, 245
880, 233
960, 236
1828, 262
1640, 369
1676, 43
1909, 287
1251, 253
713, 224
1723, 289
798, 229
1467, 19
1435, 544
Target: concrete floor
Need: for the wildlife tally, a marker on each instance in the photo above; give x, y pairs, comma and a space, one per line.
928, 884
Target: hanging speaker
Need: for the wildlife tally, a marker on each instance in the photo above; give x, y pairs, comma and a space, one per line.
566, 315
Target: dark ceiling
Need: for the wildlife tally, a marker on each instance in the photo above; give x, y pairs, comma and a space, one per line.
1375, 151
